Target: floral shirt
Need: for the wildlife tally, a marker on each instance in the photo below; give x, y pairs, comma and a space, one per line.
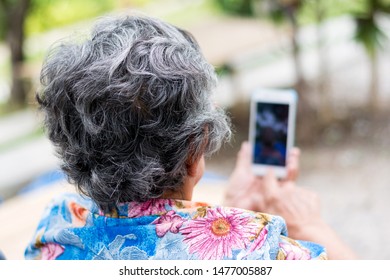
73, 227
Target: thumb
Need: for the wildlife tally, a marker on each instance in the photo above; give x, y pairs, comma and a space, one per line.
244, 156
293, 165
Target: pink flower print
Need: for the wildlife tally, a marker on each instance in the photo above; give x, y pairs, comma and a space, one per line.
150, 207
259, 241
294, 252
51, 251
218, 233
168, 222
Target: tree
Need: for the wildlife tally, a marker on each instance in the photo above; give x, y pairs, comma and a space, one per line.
34, 16
283, 11
317, 12
279, 11
370, 35
12, 17
237, 7
287, 10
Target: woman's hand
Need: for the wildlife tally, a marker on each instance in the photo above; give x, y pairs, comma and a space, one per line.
299, 207
245, 189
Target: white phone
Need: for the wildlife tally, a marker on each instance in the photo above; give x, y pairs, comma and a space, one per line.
272, 129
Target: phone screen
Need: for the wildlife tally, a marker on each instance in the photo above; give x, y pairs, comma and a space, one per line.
271, 129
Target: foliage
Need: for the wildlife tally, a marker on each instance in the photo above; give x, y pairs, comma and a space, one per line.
237, 7
5, 6
364, 12
368, 32
19, 18
47, 14
297, 13
306, 12
224, 70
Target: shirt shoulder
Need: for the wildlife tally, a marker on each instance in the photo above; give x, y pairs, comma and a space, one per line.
64, 212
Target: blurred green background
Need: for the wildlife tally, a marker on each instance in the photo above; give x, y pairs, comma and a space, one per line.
335, 53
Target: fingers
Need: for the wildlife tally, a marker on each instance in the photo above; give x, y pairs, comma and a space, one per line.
270, 183
244, 156
293, 164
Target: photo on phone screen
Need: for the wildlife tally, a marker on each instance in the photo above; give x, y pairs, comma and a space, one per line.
271, 130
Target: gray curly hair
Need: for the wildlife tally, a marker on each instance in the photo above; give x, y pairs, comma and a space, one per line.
128, 107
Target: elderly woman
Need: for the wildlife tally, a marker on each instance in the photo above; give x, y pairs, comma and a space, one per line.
130, 112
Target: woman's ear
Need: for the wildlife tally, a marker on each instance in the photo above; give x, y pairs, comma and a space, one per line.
196, 158
194, 166
196, 170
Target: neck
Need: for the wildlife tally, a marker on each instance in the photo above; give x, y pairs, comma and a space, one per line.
195, 172
184, 193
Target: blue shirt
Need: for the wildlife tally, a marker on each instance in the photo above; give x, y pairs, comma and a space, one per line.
73, 227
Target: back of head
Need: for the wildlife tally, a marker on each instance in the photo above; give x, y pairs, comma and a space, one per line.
128, 107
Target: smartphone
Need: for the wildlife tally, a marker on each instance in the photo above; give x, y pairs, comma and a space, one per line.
272, 129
